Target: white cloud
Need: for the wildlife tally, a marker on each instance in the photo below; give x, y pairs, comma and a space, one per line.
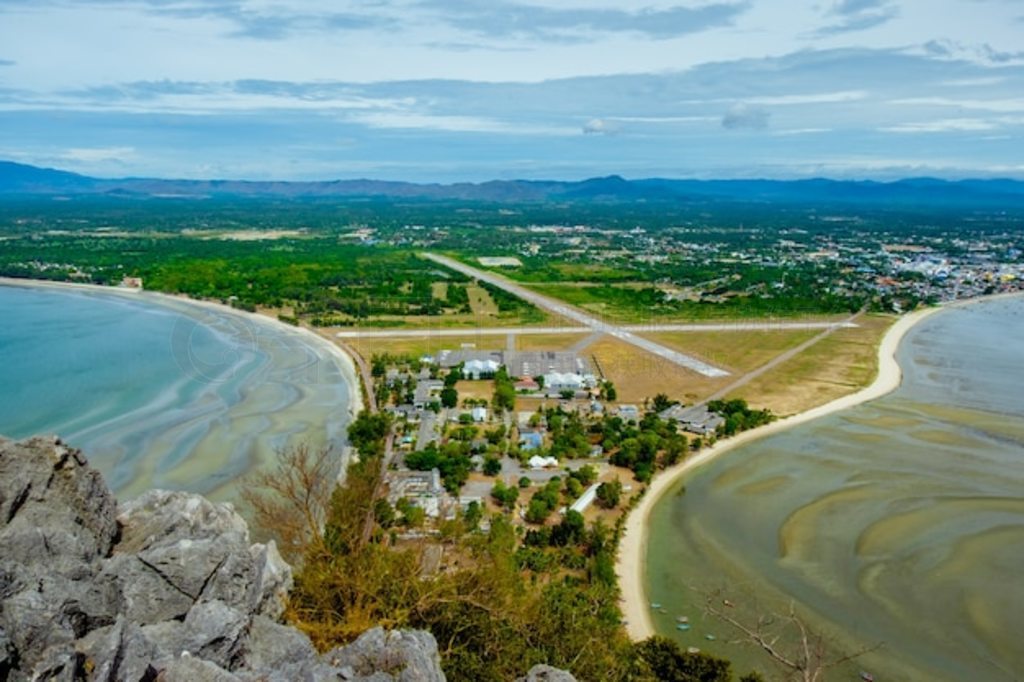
949, 125
745, 116
600, 126
812, 98
801, 131
98, 154
463, 124
1008, 105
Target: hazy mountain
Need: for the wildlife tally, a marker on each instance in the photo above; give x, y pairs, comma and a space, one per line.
19, 179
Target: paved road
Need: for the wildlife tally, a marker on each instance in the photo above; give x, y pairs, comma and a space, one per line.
576, 315
640, 329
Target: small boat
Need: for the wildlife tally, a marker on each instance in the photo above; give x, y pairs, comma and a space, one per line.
683, 626
655, 605
682, 619
710, 638
692, 650
662, 610
866, 676
728, 603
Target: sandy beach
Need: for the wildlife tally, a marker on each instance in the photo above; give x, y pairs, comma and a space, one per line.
630, 563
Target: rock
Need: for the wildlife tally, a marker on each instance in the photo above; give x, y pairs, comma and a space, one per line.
545, 673
167, 587
212, 631
56, 511
407, 655
272, 582
189, 669
117, 652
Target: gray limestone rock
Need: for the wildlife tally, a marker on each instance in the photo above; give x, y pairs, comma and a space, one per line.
166, 587
405, 655
55, 510
545, 673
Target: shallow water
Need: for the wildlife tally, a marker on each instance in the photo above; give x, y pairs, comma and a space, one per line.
163, 393
899, 522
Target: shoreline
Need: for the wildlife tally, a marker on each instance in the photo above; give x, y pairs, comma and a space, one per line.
346, 364
631, 558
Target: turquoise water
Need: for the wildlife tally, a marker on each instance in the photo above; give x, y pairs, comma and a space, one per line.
163, 393
897, 523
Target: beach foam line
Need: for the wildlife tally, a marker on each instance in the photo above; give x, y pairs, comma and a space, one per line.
630, 564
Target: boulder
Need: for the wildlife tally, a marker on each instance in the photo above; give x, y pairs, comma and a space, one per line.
408, 655
545, 673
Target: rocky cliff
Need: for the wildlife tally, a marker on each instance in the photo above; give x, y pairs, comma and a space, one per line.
165, 587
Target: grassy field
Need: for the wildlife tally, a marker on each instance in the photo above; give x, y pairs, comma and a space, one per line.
637, 374
455, 321
548, 341
439, 290
627, 304
481, 302
480, 390
424, 345
838, 365
738, 352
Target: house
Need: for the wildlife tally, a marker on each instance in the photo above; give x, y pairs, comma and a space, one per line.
557, 381
479, 414
531, 440
538, 462
482, 361
527, 385
421, 488
427, 391
696, 419
474, 369
629, 412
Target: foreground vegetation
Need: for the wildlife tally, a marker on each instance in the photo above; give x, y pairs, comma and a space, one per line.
496, 603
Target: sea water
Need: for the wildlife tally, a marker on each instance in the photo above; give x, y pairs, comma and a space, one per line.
163, 393
897, 524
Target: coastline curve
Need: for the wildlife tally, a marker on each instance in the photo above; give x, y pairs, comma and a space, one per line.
630, 564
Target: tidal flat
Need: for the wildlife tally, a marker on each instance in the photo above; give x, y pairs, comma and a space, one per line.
162, 392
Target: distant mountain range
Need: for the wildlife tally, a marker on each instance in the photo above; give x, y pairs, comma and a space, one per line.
24, 180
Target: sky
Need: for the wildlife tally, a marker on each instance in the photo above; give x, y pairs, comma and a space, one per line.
472, 90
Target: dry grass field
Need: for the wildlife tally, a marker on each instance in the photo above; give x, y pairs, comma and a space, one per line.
836, 366
738, 352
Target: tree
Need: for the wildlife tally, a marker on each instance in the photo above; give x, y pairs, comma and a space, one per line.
290, 503
505, 495
586, 474
367, 432
610, 394
384, 513
787, 640
573, 487
662, 402
567, 394
609, 494
537, 511
449, 397
669, 663
492, 466
474, 513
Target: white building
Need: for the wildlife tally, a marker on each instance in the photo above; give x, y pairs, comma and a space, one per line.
473, 369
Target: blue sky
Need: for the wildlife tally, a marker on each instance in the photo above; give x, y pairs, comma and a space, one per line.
446, 90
